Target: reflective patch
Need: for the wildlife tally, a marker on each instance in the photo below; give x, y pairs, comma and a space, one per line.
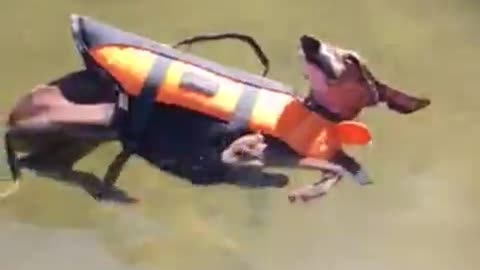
199, 84
244, 109
143, 104
123, 101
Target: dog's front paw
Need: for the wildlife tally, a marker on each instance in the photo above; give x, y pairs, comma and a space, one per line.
307, 193
251, 145
247, 150
362, 178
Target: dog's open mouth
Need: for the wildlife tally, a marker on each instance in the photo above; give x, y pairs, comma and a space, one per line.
319, 54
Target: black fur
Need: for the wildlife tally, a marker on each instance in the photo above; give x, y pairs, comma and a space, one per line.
189, 145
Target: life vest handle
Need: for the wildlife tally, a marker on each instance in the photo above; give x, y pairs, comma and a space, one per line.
353, 133
230, 35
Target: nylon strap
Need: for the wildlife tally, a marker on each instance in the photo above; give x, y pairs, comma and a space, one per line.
142, 106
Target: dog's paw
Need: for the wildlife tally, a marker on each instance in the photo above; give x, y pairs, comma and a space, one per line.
247, 150
249, 145
113, 195
307, 193
362, 178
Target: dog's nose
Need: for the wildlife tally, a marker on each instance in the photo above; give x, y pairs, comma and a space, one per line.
309, 44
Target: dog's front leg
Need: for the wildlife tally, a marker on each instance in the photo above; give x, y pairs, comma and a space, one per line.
341, 164
317, 189
352, 167
333, 171
320, 165
331, 174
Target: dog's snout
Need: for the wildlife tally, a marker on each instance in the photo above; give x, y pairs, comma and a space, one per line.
310, 44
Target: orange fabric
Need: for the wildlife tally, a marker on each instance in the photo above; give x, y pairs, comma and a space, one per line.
220, 106
354, 133
277, 114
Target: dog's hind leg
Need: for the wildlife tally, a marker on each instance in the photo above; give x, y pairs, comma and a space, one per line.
37, 143
113, 172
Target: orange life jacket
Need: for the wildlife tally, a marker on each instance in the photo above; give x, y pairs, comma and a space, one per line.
192, 83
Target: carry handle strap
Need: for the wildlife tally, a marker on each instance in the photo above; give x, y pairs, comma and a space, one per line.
230, 35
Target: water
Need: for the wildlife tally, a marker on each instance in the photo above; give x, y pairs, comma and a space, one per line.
422, 212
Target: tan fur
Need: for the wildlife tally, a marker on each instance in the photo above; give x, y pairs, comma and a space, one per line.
246, 150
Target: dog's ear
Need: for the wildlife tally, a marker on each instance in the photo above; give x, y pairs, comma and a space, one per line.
396, 99
400, 101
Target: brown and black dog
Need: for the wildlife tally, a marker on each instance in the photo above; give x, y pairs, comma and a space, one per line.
78, 111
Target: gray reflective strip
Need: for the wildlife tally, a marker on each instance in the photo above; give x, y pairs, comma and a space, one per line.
244, 108
198, 83
143, 104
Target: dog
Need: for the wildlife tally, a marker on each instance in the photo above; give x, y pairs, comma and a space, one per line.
341, 86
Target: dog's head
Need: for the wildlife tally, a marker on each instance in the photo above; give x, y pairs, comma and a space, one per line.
328, 67
323, 56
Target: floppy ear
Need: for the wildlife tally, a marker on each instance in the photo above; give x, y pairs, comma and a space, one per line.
400, 101
397, 100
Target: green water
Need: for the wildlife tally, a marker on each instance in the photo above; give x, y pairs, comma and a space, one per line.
422, 212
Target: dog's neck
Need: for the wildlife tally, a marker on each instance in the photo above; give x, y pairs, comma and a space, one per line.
315, 107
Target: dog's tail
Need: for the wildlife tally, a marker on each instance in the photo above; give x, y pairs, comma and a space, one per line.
12, 160
11, 156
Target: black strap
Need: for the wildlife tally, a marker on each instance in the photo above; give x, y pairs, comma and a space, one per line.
242, 37
142, 105
314, 106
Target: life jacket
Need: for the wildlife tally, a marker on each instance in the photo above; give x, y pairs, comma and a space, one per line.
142, 67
